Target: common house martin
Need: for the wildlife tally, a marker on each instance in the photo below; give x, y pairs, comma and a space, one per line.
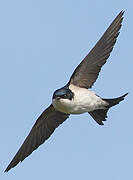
74, 97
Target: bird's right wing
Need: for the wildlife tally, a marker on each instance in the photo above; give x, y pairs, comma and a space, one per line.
41, 131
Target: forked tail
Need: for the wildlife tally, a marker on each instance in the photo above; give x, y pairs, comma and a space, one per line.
100, 115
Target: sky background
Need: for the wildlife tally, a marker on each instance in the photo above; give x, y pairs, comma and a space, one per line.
41, 43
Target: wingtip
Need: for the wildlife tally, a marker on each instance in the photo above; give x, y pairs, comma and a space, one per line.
122, 11
7, 169
125, 94
10, 166
122, 14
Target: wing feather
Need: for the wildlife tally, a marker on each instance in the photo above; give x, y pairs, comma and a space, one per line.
88, 70
45, 125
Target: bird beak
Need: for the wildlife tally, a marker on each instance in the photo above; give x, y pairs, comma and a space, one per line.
57, 98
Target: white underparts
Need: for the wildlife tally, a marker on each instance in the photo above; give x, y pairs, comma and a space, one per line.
84, 101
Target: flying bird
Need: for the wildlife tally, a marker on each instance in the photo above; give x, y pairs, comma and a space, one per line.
75, 97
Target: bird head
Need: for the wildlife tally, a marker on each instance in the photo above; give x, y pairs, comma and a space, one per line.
63, 93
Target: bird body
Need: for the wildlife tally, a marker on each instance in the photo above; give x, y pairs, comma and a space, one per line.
74, 97
83, 101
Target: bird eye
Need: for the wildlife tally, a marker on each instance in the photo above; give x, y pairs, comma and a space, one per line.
65, 95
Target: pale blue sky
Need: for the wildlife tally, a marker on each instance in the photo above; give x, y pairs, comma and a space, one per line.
41, 43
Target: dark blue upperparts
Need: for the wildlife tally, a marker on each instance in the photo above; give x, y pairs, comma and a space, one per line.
64, 92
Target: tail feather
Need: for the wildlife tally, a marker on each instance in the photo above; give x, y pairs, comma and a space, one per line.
114, 101
100, 115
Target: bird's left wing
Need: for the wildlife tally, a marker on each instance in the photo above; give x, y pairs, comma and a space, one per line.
87, 71
41, 131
